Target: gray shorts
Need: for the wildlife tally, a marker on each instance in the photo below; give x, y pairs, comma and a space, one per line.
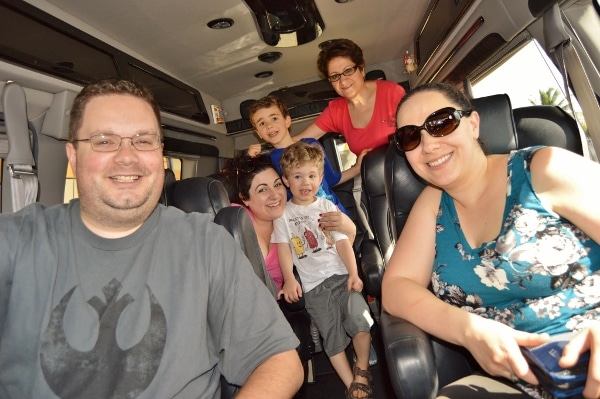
338, 314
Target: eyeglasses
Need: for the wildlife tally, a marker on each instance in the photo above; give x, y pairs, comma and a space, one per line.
108, 142
439, 124
346, 72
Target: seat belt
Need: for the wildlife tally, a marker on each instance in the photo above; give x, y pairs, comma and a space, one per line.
20, 183
357, 192
560, 42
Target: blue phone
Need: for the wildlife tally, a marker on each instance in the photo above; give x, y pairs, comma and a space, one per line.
559, 382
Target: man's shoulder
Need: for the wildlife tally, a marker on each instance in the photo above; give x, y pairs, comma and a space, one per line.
35, 212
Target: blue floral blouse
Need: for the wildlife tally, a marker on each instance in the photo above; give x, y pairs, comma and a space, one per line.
541, 274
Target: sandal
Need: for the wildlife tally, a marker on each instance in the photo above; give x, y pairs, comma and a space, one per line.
359, 386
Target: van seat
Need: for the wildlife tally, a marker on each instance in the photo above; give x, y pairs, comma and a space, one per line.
547, 124
200, 194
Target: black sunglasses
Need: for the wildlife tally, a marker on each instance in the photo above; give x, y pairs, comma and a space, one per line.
439, 124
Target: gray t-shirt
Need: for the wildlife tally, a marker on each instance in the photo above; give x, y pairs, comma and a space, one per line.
160, 313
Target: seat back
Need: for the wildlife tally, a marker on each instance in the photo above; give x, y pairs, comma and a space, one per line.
166, 198
237, 222
200, 194
549, 125
375, 252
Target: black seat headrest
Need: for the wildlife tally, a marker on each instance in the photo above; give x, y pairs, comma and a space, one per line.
548, 125
497, 128
245, 108
200, 194
376, 74
166, 197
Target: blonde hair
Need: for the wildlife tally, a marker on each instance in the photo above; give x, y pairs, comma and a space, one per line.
299, 154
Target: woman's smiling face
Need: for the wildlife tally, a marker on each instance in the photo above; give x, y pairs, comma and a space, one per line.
267, 195
438, 159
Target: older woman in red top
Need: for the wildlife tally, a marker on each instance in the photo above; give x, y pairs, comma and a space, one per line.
365, 113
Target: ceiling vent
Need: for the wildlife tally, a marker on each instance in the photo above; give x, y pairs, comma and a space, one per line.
287, 23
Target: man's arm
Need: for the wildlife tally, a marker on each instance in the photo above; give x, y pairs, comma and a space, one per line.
278, 377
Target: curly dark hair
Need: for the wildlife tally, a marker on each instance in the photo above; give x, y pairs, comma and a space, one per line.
239, 172
340, 48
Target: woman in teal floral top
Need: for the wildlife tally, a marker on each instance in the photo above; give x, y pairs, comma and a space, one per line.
508, 243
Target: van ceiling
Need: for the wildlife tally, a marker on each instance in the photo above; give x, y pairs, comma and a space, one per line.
174, 37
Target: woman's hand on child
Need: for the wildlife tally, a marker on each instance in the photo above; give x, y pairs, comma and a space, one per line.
337, 221
291, 291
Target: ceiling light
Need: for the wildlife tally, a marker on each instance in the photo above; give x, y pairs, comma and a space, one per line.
342, 1
287, 23
270, 57
264, 74
220, 23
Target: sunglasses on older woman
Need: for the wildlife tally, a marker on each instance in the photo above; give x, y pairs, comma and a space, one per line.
439, 124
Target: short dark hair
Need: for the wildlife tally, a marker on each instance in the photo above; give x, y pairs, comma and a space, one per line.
106, 87
340, 48
267, 102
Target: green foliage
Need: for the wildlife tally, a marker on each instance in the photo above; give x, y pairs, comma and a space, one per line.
551, 96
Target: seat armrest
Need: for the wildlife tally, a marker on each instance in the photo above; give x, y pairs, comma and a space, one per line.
372, 267
410, 358
419, 364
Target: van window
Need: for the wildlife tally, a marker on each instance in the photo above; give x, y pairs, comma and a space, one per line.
71, 181
529, 77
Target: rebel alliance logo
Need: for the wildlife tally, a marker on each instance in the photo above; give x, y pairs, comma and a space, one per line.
106, 371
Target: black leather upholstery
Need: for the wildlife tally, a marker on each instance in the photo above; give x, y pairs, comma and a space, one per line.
200, 194
166, 197
375, 252
417, 364
549, 125
497, 127
376, 74
237, 222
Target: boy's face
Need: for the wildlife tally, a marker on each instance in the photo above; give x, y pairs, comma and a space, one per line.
272, 126
304, 183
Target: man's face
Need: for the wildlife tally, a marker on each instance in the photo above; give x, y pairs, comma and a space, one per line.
117, 190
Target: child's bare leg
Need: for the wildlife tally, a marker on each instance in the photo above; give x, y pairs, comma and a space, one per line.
341, 365
362, 345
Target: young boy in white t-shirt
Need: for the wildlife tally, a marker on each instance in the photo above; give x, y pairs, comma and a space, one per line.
327, 267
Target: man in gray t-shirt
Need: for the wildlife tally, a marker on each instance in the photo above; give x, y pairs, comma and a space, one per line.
114, 296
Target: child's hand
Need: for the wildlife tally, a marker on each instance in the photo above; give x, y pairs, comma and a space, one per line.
254, 150
355, 283
291, 291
